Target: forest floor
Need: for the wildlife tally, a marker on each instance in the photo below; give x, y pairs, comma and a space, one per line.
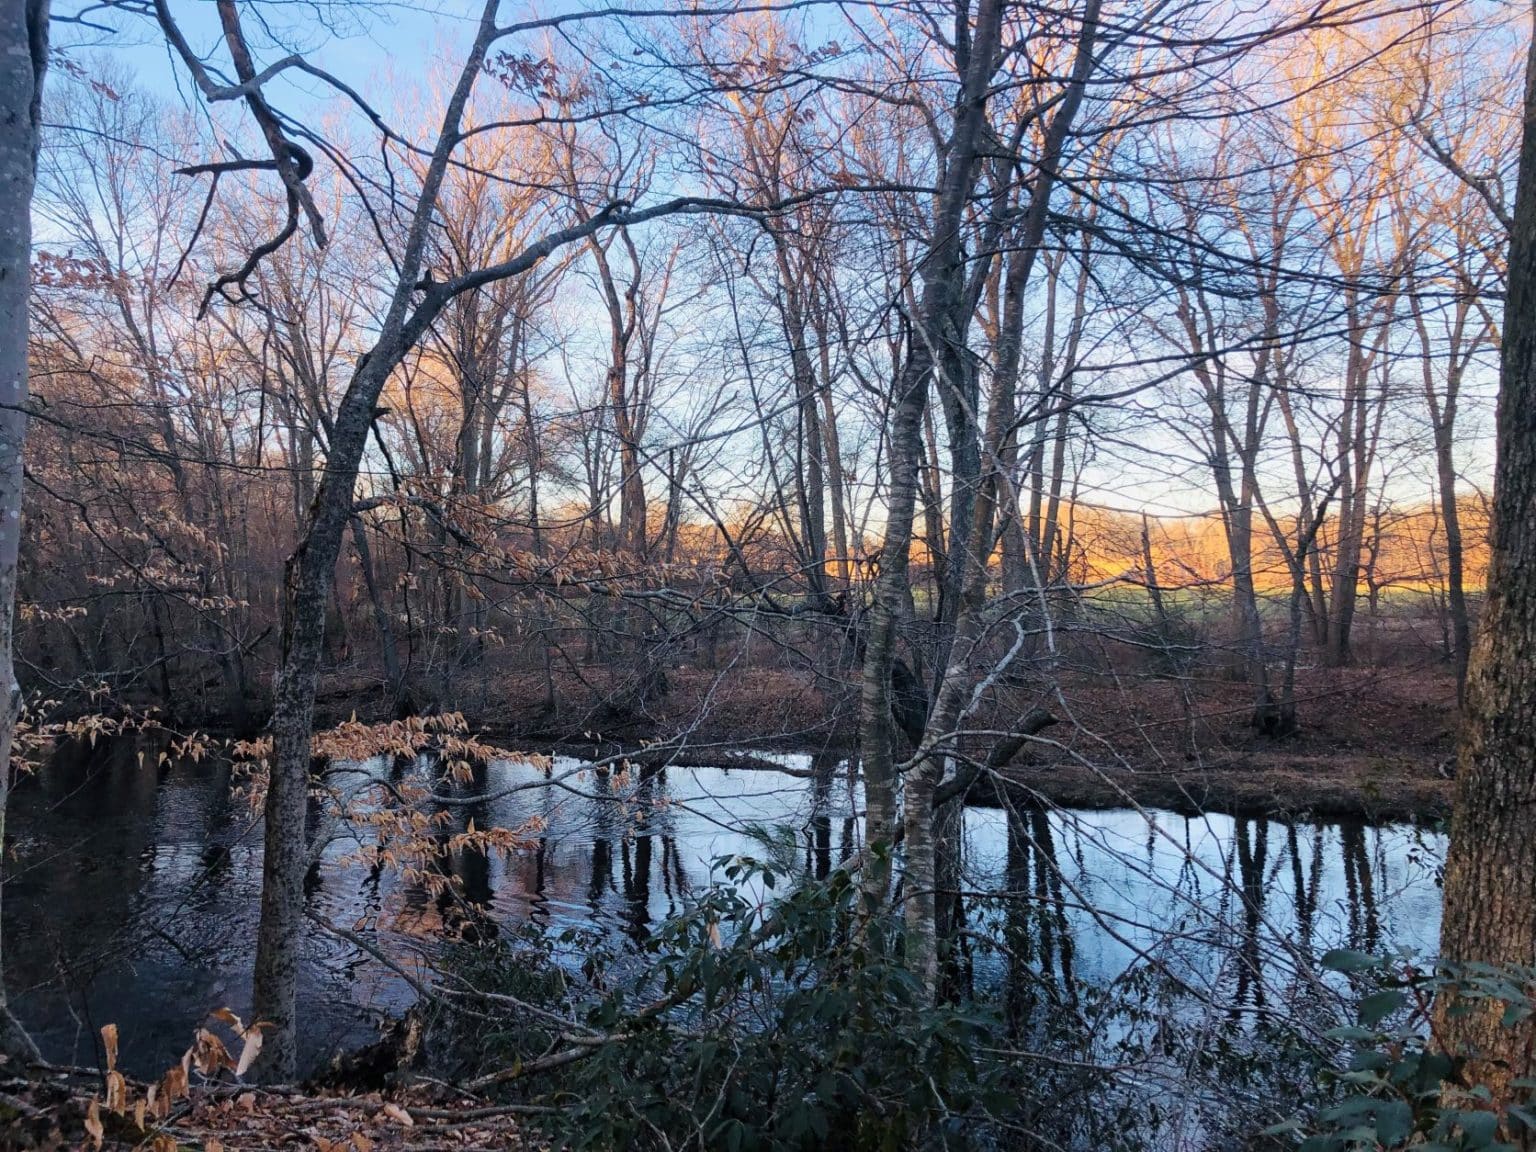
1372, 743
51, 1113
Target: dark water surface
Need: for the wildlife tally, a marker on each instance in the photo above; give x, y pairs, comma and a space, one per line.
131, 892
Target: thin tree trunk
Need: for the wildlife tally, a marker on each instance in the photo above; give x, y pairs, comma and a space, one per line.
971, 543
1442, 414
835, 479
23, 58
308, 578
381, 619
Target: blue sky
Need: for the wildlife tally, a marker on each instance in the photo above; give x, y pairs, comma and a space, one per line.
358, 48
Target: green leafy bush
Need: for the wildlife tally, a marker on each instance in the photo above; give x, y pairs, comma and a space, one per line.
793, 1025
1399, 1088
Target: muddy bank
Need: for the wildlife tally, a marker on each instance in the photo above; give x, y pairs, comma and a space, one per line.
1274, 787
1278, 788
1373, 744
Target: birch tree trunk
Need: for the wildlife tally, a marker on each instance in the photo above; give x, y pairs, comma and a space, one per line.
938, 345
23, 58
931, 843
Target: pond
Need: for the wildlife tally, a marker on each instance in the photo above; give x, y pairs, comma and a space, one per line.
131, 891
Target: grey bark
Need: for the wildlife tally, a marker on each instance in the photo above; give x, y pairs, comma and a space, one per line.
23, 60
308, 578
924, 845
940, 333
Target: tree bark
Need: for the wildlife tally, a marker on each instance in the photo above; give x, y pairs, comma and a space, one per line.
1490, 877
971, 543
308, 578
23, 59
943, 275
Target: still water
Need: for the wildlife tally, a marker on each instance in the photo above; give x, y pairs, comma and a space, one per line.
131, 891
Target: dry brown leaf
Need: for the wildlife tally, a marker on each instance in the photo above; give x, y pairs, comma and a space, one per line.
173, 1086
164, 1143
93, 1126
226, 1016
109, 1042
399, 1115
246, 1101
212, 1145
117, 1093
209, 1053
362, 1142
250, 1050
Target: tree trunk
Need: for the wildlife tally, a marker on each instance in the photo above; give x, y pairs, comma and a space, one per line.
1442, 416
940, 337
810, 477
1490, 876
381, 620
311, 572
23, 58
307, 581
892, 600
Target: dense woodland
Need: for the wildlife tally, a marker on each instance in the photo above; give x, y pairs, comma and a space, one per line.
992, 398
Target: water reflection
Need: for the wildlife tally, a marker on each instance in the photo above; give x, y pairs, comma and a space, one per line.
133, 897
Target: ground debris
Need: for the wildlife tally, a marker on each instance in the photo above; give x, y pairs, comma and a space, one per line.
55, 1115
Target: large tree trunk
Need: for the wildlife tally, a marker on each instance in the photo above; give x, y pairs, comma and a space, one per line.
1490, 877
23, 57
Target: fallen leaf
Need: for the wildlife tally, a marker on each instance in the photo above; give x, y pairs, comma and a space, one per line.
109, 1042
362, 1142
399, 1115
117, 1093
93, 1125
228, 1017
250, 1051
173, 1086
208, 1053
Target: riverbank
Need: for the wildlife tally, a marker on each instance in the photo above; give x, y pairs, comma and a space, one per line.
1373, 744
1272, 787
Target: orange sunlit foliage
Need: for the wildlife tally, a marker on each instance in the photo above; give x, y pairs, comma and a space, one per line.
1405, 549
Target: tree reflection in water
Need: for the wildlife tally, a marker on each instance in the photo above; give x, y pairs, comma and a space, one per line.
134, 891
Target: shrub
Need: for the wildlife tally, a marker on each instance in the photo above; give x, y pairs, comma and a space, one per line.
1398, 1088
